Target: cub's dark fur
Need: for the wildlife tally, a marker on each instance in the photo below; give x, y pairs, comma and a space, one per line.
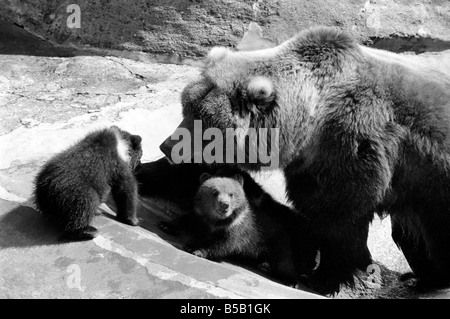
233, 216
71, 185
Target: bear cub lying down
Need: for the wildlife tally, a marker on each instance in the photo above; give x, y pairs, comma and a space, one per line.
232, 216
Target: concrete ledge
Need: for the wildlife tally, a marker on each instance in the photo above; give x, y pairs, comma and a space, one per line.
122, 262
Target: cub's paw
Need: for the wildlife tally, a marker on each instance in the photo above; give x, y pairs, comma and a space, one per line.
265, 267
407, 276
196, 252
200, 253
133, 221
166, 227
86, 233
322, 285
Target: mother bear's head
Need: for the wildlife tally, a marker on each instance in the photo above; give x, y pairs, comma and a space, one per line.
267, 101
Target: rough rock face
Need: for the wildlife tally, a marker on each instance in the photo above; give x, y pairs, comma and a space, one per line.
188, 28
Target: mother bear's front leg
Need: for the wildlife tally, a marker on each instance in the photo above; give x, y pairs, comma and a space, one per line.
339, 183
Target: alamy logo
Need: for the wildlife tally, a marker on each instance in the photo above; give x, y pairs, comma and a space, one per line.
374, 278
74, 279
74, 19
252, 146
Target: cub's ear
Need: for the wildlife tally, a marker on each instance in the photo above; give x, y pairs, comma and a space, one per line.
135, 140
204, 177
115, 128
239, 178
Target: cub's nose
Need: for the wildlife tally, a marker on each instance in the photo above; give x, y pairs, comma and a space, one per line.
224, 205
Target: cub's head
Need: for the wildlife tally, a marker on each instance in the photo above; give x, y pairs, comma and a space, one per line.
129, 146
219, 198
264, 100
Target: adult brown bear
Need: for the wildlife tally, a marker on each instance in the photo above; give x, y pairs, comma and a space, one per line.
361, 131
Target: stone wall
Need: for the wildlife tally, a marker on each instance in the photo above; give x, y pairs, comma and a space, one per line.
188, 28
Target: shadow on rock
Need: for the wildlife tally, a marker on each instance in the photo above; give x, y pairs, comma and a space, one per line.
24, 227
151, 212
15, 40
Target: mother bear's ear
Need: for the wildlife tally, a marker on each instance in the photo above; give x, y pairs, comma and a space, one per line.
260, 91
322, 46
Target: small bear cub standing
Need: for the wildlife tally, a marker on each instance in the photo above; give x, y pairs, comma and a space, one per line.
71, 185
233, 216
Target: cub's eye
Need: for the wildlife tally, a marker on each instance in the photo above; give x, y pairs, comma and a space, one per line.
231, 194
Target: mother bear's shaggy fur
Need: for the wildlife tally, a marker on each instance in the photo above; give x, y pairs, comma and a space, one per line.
361, 131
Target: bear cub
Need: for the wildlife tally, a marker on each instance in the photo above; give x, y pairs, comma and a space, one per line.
232, 216
70, 186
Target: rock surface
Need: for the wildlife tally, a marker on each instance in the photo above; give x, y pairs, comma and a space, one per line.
189, 28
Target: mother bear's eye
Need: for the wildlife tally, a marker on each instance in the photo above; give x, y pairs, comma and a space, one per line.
238, 101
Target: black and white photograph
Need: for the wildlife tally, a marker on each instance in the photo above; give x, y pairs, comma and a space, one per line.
241, 151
